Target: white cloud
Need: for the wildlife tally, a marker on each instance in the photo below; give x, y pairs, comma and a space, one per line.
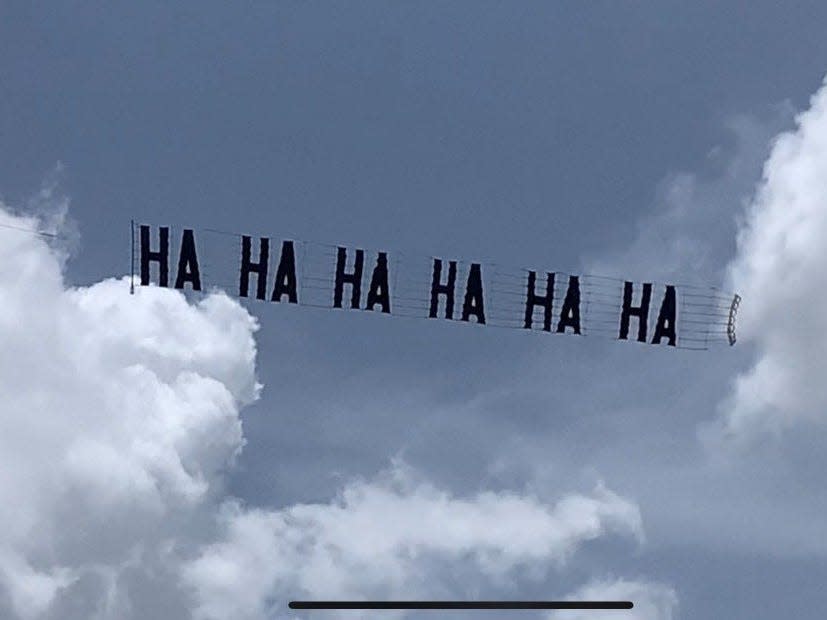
118, 413
780, 272
652, 601
378, 537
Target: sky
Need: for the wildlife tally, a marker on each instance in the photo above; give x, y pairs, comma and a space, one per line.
170, 456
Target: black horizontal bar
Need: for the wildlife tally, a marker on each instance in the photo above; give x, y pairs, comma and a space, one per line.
460, 605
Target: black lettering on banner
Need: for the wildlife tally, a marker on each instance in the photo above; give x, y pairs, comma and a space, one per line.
354, 278
532, 300
667, 318
259, 268
161, 256
447, 289
188, 262
641, 312
285, 283
379, 293
570, 312
474, 303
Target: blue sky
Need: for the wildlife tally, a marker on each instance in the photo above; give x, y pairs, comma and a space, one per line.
623, 138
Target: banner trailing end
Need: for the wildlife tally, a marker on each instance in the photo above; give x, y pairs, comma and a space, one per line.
730, 326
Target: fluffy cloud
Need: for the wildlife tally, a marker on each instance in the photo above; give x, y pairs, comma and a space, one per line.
378, 537
653, 601
118, 416
780, 271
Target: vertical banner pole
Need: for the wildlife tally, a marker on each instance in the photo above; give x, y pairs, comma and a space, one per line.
132, 259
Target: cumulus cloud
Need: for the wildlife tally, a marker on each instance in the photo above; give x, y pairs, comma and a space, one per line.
780, 271
383, 537
653, 601
118, 414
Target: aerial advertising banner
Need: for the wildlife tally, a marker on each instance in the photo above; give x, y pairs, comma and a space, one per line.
348, 278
